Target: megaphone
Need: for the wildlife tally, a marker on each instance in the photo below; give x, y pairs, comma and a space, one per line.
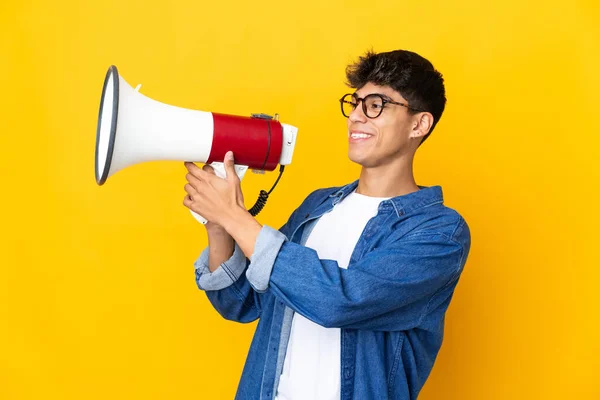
133, 128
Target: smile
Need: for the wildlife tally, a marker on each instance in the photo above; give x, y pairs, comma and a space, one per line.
359, 136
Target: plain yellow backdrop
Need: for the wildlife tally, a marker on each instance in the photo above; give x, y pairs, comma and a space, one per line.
97, 291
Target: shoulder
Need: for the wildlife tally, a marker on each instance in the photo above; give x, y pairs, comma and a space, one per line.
441, 221
436, 233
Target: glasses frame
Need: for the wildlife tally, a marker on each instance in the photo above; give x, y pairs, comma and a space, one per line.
384, 100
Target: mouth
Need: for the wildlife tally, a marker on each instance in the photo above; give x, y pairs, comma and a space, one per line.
358, 136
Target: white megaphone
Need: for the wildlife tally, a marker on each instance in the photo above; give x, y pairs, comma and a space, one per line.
133, 128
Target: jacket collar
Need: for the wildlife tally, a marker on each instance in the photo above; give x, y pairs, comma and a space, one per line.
424, 197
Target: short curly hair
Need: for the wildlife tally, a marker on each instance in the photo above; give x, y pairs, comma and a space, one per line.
411, 75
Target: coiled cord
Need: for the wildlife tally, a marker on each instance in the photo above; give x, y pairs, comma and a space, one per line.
264, 196
260, 203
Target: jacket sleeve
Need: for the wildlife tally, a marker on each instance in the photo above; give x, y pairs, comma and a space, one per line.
227, 287
390, 289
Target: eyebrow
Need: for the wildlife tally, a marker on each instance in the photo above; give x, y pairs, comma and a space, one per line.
385, 96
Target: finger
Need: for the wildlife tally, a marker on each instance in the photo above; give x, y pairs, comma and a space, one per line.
229, 166
202, 175
195, 182
208, 168
189, 189
194, 169
189, 164
187, 201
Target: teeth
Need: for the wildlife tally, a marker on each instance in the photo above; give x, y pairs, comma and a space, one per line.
359, 136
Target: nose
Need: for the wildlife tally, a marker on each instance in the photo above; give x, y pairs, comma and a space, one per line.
357, 115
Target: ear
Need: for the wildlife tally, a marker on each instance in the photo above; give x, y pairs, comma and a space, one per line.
421, 125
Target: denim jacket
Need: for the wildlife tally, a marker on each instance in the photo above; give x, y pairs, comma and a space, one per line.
389, 303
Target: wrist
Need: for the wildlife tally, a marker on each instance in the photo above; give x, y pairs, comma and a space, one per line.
238, 216
215, 230
244, 229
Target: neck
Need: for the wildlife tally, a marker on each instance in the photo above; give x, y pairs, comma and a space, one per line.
388, 180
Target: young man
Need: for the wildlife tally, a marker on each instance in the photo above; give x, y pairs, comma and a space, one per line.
352, 291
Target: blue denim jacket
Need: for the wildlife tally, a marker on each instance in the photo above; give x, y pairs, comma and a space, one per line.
390, 302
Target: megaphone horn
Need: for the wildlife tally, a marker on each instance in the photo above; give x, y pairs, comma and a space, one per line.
133, 128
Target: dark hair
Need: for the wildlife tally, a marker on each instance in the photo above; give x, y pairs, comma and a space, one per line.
406, 72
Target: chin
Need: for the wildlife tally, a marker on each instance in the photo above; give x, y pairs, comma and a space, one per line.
359, 159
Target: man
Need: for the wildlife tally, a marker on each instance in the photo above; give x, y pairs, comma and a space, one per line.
352, 291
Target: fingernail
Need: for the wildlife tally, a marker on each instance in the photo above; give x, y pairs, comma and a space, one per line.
229, 155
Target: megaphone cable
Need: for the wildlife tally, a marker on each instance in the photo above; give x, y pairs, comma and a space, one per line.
264, 196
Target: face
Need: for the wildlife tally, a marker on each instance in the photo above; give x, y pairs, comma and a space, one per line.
374, 142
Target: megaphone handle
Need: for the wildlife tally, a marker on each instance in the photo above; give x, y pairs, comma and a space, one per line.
219, 168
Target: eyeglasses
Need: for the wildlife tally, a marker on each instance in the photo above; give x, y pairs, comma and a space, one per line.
372, 104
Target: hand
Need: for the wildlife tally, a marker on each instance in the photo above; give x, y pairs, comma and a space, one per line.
211, 227
217, 200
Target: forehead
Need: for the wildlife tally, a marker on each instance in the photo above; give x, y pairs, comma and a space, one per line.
373, 88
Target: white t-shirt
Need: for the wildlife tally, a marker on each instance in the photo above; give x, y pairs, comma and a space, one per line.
312, 362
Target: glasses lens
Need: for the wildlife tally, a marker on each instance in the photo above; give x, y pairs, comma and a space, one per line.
373, 105
348, 105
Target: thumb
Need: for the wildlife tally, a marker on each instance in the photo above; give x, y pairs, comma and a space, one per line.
229, 166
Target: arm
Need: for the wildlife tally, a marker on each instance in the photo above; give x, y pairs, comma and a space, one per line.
226, 286
221, 246
219, 269
221, 274
391, 288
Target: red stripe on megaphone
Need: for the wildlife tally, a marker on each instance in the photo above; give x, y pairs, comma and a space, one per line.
249, 139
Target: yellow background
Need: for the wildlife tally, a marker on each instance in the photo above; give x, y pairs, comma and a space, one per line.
97, 291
